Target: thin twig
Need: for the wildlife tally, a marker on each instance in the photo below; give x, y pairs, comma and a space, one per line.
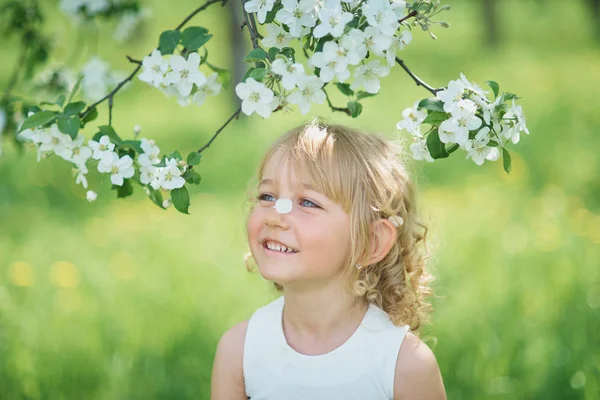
251, 28
235, 115
135, 71
417, 80
196, 11
412, 14
132, 60
344, 110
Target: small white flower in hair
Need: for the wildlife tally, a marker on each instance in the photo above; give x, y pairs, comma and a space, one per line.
396, 220
283, 206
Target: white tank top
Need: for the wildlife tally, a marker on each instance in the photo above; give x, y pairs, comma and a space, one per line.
361, 368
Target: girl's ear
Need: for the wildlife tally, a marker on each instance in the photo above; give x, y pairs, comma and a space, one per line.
383, 237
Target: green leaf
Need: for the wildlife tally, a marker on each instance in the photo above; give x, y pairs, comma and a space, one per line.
74, 108
110, 132
181, 199
432, 104
258, 74
126, 189
247, 74
38, 119
136, 145
162, 163
194, 158
494, 87
289, 52
435, 146
60, 101
510, 96
192, 177
506, 160
69, 125
271, 14
345, 88
90, 116
75, 89
361, 95
256, 55
223, 74
195, 37
435, 118
176, 154
156, 196
452, 147
273, 51
168, 41
355, 108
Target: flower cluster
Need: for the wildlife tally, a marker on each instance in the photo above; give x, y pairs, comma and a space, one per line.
345, 36
463, 116
178, 76
49, 140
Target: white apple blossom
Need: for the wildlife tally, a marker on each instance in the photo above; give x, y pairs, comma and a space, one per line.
168, 177
333, 19
102, 150
399, 7
92, 7
375, 41
147, 169
380, 15
456, 129
276, 37
352, 47
98, 79
154, 68
91, 195
150, 148
79, 152
398, 43
478, 150
451, 95
419, 150
473, 87
289, 71
516, 112
53, 140
260, 7
297, 14
185, 73
309, 91
79, 172
332, 65
255, 96
413, 117
210, 88
367, 76
118, 168
128, 23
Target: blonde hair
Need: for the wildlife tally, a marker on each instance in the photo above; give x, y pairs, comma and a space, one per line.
362, 173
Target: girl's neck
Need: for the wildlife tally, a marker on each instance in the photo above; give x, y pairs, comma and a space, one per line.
320, 315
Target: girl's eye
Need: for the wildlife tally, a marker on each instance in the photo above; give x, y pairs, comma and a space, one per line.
303, 202
265, 196
314, 205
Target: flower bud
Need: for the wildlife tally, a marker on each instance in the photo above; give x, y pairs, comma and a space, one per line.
137, 129
167, 203
444, 24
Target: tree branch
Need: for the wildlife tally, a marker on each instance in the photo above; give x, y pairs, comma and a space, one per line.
251, 28
417, 80
412, 14
207, 145
135, 71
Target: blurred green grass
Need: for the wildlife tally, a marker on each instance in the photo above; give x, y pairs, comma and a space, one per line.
120, 300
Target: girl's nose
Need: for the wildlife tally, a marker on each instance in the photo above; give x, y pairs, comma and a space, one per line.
276, 218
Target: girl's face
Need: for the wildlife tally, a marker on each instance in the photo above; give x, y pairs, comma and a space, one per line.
317, 229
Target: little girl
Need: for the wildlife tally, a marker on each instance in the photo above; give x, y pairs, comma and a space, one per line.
334, 227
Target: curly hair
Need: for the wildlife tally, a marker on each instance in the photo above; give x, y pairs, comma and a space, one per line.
362, 172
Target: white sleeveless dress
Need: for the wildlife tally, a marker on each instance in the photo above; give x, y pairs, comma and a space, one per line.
361, 368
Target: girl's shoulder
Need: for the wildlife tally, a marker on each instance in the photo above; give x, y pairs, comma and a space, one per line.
227, 375
417, 372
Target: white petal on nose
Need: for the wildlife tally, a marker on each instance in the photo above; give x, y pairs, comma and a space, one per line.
283, 206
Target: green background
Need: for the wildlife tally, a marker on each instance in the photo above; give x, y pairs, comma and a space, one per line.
118, 299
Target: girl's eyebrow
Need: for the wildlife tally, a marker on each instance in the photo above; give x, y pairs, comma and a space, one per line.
270, 182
